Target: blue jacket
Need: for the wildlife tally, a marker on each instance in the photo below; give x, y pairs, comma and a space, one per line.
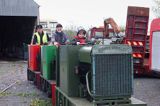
61, 38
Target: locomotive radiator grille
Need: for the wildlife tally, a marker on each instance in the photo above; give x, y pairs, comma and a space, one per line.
112, 75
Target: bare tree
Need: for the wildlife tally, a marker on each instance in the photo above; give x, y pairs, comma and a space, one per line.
70, 33
156, 8
122, 28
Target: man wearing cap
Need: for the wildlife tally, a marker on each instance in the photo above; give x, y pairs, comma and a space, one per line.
40, 37
59, 37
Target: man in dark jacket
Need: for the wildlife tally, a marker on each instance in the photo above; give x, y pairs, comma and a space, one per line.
59, 37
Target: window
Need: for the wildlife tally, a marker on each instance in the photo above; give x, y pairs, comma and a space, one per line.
98, 34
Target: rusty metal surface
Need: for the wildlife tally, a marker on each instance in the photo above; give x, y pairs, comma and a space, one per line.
140, 11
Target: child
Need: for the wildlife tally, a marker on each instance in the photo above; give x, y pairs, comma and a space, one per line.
80, 39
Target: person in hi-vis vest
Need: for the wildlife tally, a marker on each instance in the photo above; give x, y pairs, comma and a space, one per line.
40, 37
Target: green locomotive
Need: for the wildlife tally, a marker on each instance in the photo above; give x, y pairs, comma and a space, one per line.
103, 74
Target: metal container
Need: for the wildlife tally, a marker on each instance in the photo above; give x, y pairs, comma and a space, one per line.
136, 34
48, 61
33, 53
139, 11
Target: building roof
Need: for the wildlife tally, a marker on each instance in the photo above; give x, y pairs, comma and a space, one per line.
19, 8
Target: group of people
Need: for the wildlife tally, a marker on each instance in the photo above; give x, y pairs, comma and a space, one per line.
58, 38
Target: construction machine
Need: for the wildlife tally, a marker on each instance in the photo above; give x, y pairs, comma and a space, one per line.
105, 34
135, 36
115, 28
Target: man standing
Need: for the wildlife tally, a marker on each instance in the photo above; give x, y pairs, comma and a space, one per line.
59, 37
40, 37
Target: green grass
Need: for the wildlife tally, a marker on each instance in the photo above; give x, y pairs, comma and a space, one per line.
27, 94
5, 94
34, 102
19, 94
40, 102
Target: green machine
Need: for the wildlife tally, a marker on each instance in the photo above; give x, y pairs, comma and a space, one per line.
68, 59
106, 66
48, 61
106, 71
102, 74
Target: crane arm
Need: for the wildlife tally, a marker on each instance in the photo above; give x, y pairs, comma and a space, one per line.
113, 24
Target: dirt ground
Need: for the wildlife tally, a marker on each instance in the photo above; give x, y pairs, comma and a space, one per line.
24, 93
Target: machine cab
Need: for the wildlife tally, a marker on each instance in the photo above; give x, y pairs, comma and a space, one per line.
154, 59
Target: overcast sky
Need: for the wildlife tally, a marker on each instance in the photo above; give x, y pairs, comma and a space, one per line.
89, 13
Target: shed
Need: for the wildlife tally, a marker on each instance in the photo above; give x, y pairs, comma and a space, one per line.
17, 21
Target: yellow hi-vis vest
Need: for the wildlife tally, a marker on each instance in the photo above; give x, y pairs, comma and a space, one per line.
44, 39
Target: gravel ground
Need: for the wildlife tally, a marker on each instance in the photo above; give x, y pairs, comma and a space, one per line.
24, 92
147, 90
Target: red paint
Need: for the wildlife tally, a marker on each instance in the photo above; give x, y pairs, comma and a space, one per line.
155, 26
38, 79
33, 53
136, 34
94, 30
53, 94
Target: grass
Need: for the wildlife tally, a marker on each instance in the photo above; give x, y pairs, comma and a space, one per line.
19, 94
40, 102
34, 102
5, 94
27, 94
